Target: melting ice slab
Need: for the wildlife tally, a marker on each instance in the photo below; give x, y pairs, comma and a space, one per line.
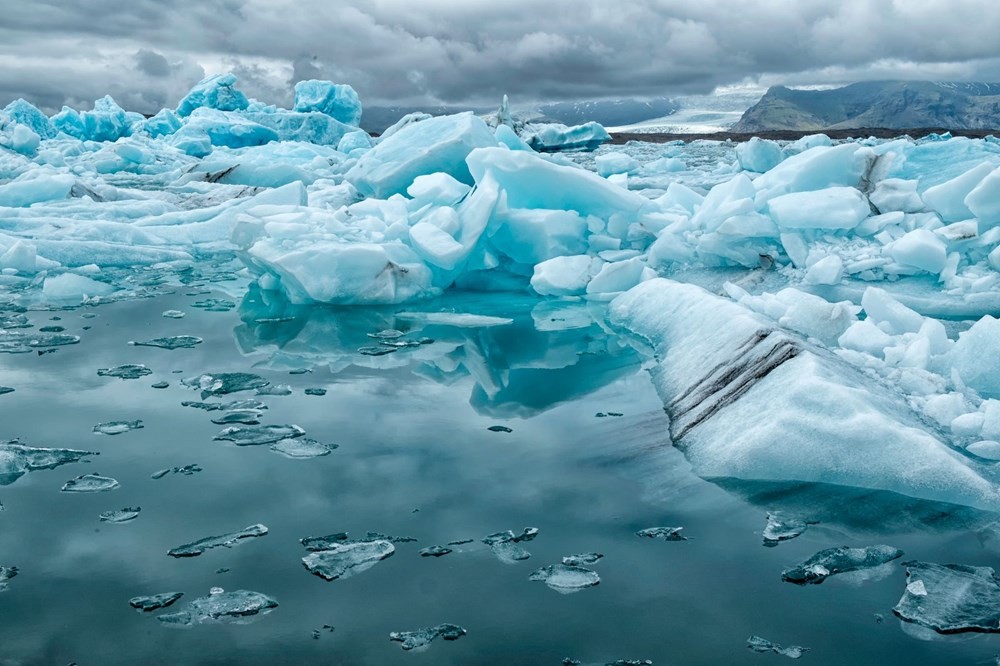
344, 560
421, 638
758, 644
223, 540
566, 579
750, 401
154, 601
238, 607
16, 459
951, 598
834, 561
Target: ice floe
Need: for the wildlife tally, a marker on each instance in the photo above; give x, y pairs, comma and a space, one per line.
839, 560
239, 607
421, 638
222, 541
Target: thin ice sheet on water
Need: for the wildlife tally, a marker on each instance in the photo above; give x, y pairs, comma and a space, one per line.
119, 516
90, 483
758, 644
782, 527
434, 551
582, 558
6, 389
244, 416
249, 403
6, 573
222, 541
154, 602
224, 383
237, 607
839, 560
505, 544
127, 371
186, 470
343, 560
566, 579
662, 533
301, 448
116, 427
257, 435
172, 342
421, 638
12, 342
173, 314
17, 459
951, 598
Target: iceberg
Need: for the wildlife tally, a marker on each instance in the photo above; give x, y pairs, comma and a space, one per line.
340, 102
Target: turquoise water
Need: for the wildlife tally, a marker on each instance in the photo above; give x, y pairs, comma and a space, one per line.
415, 458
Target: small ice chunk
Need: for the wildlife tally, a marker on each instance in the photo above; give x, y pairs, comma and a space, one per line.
950, 598
174, 314
6, 573
976, 356
154, 601
377, 350
324, 542
276, 389
12, 342
72, 287
119, 516
781, 527
300, 448
214, 305
186, 470
256, 435
434, 551
225, 383
948, 198
244, 416
224, 540
421, 638
249, 403
17, 459
882, 308
499, 428
161, 385
921, 249
315, 391
987, 448
663, 533
828, 270
834, 561
566, 579
172, 342
5, 390
759, 155
582, 558
128, 371
90, 483
831, 208
505, 544
343, 560
387, 334
235, 606
984, 202
116, 427
758, 644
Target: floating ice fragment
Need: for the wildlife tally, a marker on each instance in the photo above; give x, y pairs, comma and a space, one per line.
504, 544
582, 558
21, 343
119, 516
315, 391
380, 350
154, 601
324, 542
781, 527
664, 533
276, 389
457, 319
758, 644
434, 551
566, 579
116, 427
16, 459
225, 383
499, 428
5, 390
90, 483
343, 560
951, 598
128, 371
302, 448
834, 561
387, 334
234, 606
223, 540
421, 638
460, 542
173, 314
244, 416
186, 470
256, 435
173, 342
161, 385
214, 305
6, 573
602, 415
249, 403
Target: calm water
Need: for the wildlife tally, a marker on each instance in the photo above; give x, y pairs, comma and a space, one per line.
415, 458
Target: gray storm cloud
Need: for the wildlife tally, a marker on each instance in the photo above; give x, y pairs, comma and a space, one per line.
147, 52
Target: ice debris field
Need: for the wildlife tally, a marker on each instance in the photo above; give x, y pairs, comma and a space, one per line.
813, 312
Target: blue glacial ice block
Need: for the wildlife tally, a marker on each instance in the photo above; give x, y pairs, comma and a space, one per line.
214, 92
358, 139
556, 137
311, 127
425, 147
163, 123
223, 128
70, 122
106, 122
36, 187
25, 113
759, 155
750, 401
339, 101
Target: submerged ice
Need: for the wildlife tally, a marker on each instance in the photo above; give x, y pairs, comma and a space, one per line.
951, 598
839, 560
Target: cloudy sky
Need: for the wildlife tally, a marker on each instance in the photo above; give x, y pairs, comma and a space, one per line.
147, 53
